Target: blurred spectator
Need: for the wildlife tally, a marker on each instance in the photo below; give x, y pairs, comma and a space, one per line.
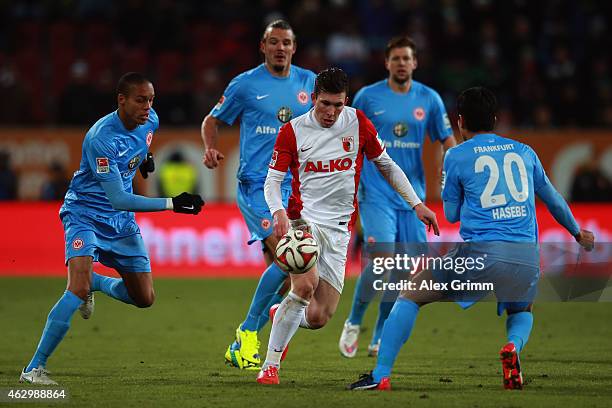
14, 100
77, 102
591, 185
547, 60
56, 185
8, 178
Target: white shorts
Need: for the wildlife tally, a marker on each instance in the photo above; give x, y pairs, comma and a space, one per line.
333, 246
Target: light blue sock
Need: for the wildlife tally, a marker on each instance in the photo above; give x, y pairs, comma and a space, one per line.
364, 293
518, 327
384, 310
58, 323
113, 287
396, 332
265, 314
269, 284
386, 304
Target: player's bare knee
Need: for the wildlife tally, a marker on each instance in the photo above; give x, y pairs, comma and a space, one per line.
80, 289
318, 320
145, 300
305, 290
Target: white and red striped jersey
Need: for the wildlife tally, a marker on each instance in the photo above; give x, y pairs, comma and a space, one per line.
326, 165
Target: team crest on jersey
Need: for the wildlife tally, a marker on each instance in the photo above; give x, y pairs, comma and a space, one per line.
348, 143
134, 162
274, 158
149, 138
265, 223
400, 129
302, 97
284, 114
419, 113
77, 243
102, 165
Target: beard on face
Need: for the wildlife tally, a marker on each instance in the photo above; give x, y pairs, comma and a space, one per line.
278, 68
400, 81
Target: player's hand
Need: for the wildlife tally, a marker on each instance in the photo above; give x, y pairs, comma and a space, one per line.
212, 157
427, 217
187, 203
147, 166
280, 223
300, 224
586, 239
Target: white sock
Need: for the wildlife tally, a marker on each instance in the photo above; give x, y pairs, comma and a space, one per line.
286, 323
303, 322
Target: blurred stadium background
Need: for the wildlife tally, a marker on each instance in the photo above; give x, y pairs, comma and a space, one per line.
548, 61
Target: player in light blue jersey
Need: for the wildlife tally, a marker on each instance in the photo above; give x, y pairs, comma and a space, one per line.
98, 217
490, 186
403, 111
264, 98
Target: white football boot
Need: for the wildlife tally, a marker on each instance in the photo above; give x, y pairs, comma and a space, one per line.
36, 376
87, 308
348, 343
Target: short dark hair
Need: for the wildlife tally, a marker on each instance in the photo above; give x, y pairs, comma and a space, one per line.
128, 80
282, 24
477, 106
400, 42
331, 80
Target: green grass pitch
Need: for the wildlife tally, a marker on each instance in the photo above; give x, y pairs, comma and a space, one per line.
172, 354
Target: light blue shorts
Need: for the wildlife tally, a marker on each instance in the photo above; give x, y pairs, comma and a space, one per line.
255, 211
383, 224
113, 241
514, 284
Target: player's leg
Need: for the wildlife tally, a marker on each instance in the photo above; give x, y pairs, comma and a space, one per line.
267, 293
128, 256
379, 226
397, 330
289, 315
244, 351
58, 320
516, 287
410, 233
320, 287
518, 328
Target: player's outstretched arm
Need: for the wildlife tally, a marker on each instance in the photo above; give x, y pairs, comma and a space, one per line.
563, 215
398, 180
210, 134
124, 201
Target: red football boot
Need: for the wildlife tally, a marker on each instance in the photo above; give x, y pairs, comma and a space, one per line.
511, 367
268, 376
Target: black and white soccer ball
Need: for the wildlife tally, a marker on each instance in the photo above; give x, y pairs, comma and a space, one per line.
297, 251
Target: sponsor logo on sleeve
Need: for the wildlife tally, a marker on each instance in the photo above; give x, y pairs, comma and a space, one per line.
149, 138
274, 158
447, 123
102, 165
220, 102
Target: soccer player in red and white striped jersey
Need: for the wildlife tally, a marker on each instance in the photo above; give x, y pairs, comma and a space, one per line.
324, 149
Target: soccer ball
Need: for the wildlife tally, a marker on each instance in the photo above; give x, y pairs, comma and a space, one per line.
297, 251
